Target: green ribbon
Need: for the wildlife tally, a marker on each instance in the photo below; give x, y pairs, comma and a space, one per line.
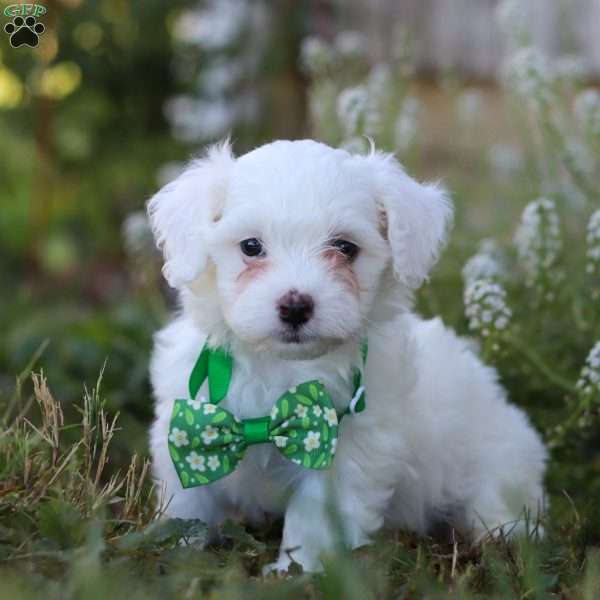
217, 365
206, 442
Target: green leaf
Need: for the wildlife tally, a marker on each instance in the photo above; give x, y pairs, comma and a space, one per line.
177, 406
306, 461
293, 433
174, 454
291, 450
285, 408
195, 442
220, 416
226, 465
241, 538
202, 479
305, 422
189, 416
320, 460
314, 392
325, 432
163, 533
304, 400
185, 478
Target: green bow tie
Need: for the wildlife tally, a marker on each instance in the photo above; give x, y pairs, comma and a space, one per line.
206, 441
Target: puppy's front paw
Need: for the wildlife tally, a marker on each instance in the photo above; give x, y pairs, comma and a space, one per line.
289, 564
279, 568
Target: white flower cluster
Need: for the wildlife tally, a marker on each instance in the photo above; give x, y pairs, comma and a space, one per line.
316, 56
357, 111
539, 242
214, 26
589, 379
195, 119
379, 80
221, 77
405, 129
137, 235
586, 108
484, 297
485, 264
486, 308
527, 72
350, 45
593, 243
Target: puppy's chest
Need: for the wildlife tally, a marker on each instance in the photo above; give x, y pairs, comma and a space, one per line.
253, 392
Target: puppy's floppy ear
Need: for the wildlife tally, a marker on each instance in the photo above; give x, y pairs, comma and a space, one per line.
181, 211
415, 218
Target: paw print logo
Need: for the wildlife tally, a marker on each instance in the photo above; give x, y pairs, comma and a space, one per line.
24, 32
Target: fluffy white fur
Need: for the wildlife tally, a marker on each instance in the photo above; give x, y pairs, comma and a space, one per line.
438, 440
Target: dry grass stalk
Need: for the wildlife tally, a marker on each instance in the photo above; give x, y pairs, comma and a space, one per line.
52, 415
134, 489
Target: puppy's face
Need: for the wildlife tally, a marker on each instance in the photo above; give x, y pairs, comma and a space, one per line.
298, 250
293, 241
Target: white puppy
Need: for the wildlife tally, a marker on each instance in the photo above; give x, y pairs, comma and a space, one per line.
289, 257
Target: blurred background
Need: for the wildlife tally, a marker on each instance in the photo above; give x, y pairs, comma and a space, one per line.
495, 98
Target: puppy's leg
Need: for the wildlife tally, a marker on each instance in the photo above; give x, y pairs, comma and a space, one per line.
307, 529
508, 497
320, 516
500, 508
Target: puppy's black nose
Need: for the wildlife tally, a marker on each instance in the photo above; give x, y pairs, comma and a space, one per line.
295, 309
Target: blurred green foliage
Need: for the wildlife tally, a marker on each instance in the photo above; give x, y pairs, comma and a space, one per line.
82, 149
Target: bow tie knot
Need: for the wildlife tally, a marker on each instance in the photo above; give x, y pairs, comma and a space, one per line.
256, 431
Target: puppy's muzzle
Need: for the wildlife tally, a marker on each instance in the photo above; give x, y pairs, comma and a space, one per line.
295, 309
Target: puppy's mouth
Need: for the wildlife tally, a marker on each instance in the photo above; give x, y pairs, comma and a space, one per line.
299, 344
295, 336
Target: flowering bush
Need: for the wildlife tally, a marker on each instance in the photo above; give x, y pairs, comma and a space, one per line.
531, 304
351, 101
486, 309
539, 245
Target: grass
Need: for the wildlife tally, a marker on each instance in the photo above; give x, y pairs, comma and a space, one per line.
73, 525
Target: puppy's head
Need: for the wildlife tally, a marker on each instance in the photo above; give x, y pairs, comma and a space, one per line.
294, 247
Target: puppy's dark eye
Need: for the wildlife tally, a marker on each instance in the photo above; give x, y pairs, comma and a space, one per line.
252, 247
348, 249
